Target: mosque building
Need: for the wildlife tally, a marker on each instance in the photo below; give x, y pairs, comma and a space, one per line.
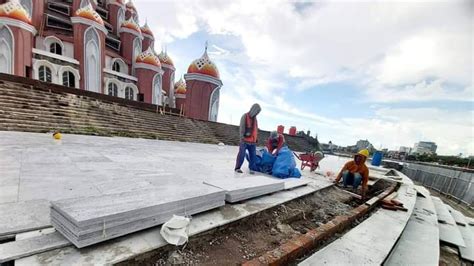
99, 46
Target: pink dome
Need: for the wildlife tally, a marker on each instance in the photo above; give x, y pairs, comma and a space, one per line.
13, 9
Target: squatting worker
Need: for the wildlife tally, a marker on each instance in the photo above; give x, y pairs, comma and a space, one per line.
275, 142
354, 172
248, 138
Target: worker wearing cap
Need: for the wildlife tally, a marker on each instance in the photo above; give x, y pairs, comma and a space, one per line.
275, 142
248, 139
355, 172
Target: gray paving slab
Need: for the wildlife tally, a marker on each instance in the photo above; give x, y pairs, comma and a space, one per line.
448, 230
26, 247
458, 216
444, 216
246, 187
86, 221
370, 242
419, 242
467, 233
23, 216
423, 191
291, 183
88, 209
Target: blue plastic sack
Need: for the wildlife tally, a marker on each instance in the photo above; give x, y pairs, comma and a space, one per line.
285, 164
263, 161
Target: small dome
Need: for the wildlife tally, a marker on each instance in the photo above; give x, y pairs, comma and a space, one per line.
131, 24
131, 6
148, 57
204, 66
146, 30
180, 87
88, 12
13, 9
165, 59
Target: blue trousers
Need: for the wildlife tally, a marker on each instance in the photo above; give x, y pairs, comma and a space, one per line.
351, 179
243, 147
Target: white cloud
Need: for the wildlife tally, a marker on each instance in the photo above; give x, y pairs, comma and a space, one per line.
394, 51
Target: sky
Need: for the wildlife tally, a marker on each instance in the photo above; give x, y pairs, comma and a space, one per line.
392, 72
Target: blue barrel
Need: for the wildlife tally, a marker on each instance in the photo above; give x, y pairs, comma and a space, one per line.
377, 158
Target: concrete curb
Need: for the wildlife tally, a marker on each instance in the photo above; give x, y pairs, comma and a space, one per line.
302, 244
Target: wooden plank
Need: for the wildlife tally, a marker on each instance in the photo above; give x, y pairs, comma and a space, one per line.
419, 242
371, 241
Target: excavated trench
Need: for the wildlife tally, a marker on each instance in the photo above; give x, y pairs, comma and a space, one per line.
253, 236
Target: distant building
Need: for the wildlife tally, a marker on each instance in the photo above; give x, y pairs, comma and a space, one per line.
364, 144
404, 149
425, 147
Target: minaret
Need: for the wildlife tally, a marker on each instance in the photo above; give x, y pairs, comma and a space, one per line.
16, 39
89, 46
203, 85
168, 77
116, 14
148, 38
131, 11
148, 72
131, 38
180, 94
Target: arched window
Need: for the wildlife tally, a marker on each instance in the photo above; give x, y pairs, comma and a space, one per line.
45, 74
214, 104
129, 93
137, 48
92, 60
113, 89
120, 18
116, 66
6, 51
84, 3
69, 79
157, 95
56, 48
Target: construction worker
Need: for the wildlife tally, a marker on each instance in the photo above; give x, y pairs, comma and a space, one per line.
275, 142
355, 172
248, 138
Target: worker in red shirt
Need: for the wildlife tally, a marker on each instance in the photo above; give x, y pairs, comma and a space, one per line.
248, 138
275, 142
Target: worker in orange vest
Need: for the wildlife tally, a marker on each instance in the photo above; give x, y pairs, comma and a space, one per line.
355, 172
248, 138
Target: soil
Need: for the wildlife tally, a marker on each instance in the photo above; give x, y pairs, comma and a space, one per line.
253, 236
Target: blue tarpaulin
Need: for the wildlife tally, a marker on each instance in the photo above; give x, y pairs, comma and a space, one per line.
282, 166
285, 164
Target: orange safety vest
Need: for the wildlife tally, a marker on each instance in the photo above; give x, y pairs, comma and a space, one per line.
248, 123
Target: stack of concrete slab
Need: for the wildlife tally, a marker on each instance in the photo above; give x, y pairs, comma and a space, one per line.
89, 220
247, 187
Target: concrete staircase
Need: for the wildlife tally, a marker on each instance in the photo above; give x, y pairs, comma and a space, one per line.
34, 106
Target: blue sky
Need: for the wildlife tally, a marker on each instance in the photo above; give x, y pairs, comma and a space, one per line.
391, 72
